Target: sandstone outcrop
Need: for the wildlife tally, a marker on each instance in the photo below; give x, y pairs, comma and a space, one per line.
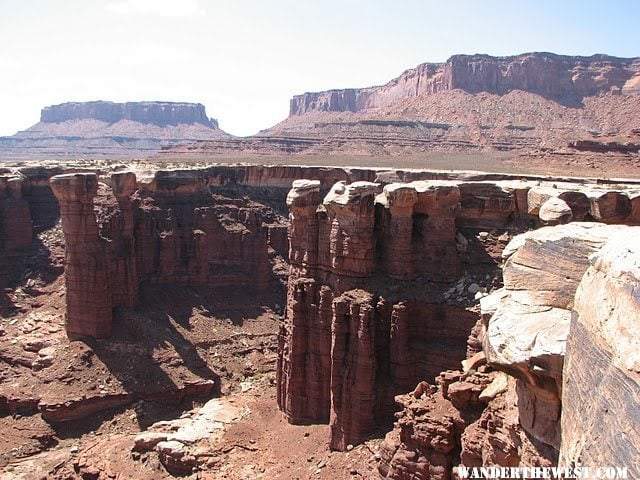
512, 417
347, 253
182, 444
601, 376
173, 232
526, 336
351, 340
456, 422
89, 302
555, 211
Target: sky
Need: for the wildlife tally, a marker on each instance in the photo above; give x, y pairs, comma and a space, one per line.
245, 59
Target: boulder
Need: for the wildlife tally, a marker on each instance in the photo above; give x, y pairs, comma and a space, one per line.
555, 211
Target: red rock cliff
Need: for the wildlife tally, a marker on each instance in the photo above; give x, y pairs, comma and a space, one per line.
565, 79
350, 341
369, 306
173, 231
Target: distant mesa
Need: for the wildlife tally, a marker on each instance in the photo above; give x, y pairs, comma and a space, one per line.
161, 114
561, 78
113, 130
533, 104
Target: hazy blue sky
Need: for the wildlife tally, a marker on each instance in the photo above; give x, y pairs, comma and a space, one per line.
244, 59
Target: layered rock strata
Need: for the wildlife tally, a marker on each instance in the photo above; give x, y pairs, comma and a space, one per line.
512, 417
157, 113
526, 336
173, 232
601, 375
561, 78
351, 339
89, 302
482, 204
110, 130
358, 258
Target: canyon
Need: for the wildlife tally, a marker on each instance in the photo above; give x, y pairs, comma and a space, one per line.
402, 281
356, 292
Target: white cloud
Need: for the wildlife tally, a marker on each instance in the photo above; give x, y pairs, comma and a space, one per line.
164, 8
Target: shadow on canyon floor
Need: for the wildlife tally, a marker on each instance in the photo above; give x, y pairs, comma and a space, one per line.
26, 273
164, 352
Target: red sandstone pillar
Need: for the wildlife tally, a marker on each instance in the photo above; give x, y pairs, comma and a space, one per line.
89, 307
124, 184
397, 249
353, 369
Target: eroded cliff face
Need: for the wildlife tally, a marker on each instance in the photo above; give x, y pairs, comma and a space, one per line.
527, 334
372, 311
367, 315
169, 215
174, 232
507, 412
561, 78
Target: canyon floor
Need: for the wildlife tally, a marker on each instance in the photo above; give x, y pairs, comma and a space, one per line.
180, 339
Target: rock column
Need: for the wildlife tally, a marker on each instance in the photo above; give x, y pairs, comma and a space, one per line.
353, 369
89, 303
303, 201
349, 258
124, 185
397, 248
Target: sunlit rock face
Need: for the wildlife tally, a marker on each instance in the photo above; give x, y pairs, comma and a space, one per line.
601, 376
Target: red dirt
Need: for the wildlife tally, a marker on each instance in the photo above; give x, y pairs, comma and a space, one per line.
176, 338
